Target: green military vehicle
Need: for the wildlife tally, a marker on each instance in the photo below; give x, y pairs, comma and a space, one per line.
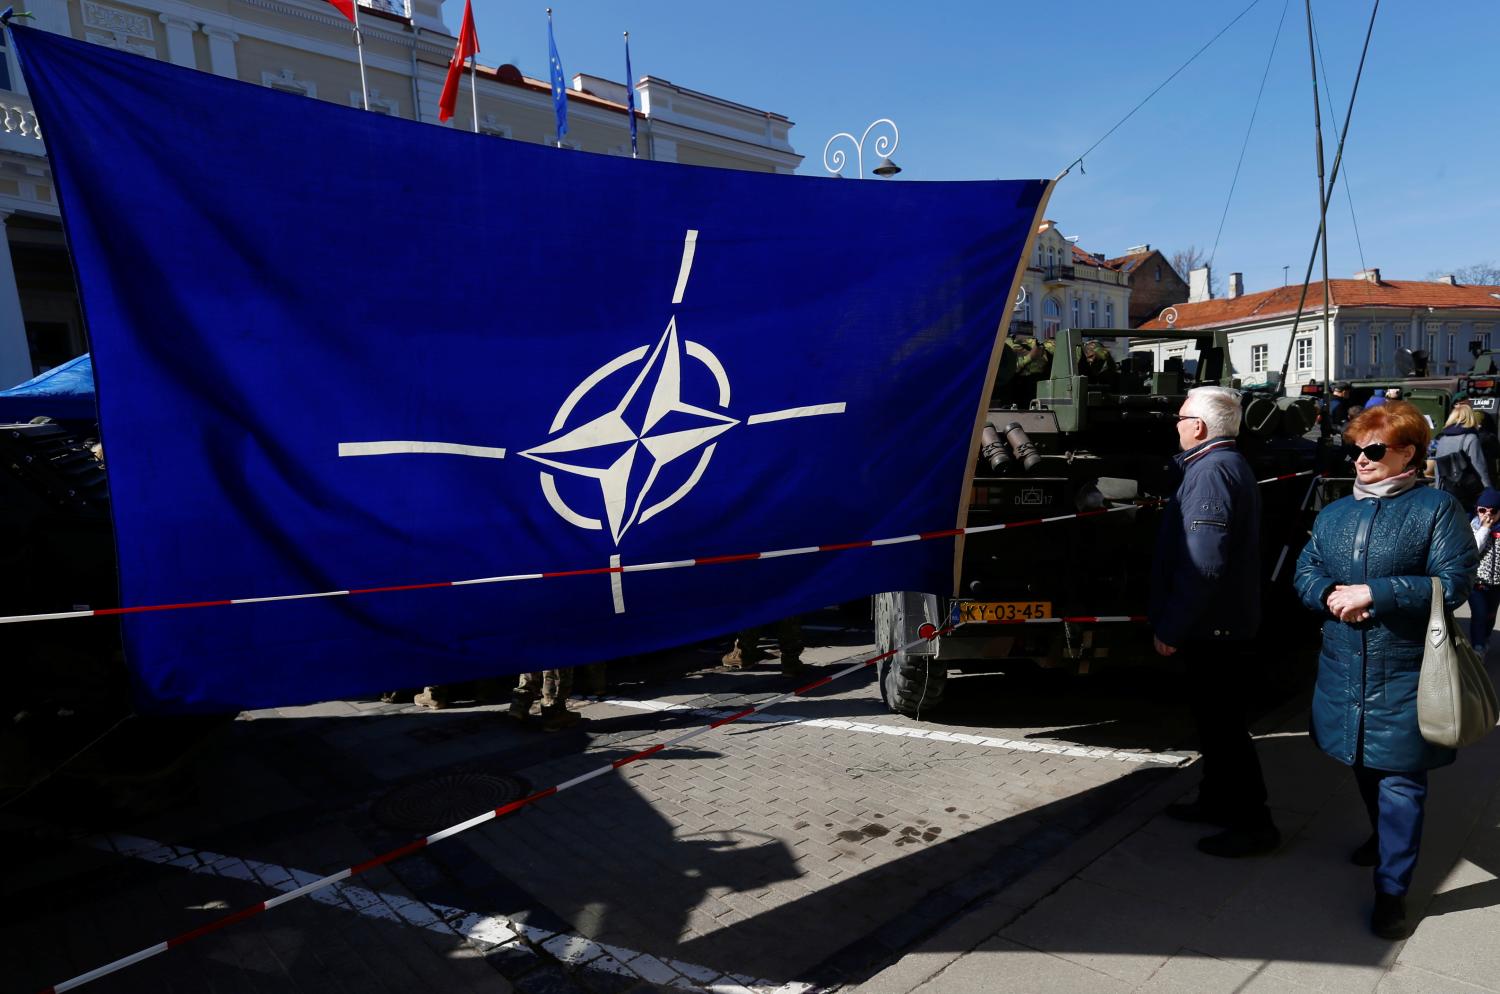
1031, 596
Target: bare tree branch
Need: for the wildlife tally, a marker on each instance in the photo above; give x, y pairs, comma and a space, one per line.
1480, 274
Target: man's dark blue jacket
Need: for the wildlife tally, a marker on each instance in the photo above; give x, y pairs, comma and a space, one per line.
1205, 578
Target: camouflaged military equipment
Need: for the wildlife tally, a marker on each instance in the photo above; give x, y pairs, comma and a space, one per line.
1105, 443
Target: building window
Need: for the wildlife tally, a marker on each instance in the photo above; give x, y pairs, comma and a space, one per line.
1374, 346
1051, 317
1074, 309
1400, 341
4, 63
1304, 354
1349, 351
1482, 338
1093, 313
1259, 358
1452, 347
1109, 314
1026, 310
1158, 272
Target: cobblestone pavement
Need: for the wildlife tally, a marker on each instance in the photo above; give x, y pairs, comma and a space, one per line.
805, 849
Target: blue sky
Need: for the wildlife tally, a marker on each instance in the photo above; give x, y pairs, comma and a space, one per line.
1001, 89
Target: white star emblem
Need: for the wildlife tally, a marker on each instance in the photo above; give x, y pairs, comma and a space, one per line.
610, 447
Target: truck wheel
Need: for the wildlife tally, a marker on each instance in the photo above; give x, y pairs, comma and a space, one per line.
912, 685
909, 684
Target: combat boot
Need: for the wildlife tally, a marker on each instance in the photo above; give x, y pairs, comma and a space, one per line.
739, 657
560, 720
791, 664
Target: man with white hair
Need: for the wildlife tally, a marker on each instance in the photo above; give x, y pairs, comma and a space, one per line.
1205, 604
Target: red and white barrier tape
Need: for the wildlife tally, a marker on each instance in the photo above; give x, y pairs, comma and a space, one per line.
928, 633
598, 570
1081, 619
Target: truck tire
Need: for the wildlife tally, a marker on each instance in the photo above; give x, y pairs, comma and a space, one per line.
909, 684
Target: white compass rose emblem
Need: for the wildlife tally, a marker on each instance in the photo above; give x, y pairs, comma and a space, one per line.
626, 449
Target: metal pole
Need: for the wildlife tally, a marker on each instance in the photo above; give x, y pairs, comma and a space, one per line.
359, 47
1322, 217
474, 89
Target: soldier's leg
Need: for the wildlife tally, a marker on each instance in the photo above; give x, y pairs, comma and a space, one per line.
789, 638
556, 686
591, 680
528, 689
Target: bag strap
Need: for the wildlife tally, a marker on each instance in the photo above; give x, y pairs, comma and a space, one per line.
1437, 621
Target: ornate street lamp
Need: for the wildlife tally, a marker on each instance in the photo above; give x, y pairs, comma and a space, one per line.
884, 146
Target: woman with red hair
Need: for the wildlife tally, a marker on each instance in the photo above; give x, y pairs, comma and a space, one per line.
1368, 569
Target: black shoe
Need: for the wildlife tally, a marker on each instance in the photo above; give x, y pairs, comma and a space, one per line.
1388, 920
1233, 843
1368, 853
1195, 812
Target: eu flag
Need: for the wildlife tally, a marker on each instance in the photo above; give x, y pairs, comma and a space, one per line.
409, 355
559, 83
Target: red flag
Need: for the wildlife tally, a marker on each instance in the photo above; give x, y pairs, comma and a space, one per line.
468, 44
346, 7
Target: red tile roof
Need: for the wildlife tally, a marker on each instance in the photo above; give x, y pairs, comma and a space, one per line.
1084, 258
1345, 293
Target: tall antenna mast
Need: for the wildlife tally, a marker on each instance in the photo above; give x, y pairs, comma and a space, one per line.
1322, 220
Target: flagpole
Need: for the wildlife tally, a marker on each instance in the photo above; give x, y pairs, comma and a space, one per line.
630, 97
359, 46
551, 42
474, 88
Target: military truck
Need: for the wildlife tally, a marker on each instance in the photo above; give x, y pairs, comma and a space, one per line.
1101, 443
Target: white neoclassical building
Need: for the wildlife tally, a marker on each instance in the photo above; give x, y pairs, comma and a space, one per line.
1068, 288
1371, 320
306, 47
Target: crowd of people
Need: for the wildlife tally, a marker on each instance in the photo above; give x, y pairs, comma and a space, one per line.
1367, 569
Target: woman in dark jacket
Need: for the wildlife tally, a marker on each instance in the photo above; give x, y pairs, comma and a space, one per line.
1367, 567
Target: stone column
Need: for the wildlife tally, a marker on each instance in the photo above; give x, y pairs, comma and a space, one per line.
15, 352
180, 32
221, 60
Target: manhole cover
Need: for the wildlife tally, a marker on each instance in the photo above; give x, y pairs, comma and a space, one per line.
447, 799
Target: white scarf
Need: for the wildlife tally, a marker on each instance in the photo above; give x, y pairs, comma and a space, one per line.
1389, 487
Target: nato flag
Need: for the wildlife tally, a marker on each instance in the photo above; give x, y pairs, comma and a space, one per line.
408, 356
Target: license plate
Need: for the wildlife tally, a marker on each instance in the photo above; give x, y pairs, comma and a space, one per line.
991, 612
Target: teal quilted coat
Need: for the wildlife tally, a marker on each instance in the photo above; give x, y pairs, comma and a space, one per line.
1365, 701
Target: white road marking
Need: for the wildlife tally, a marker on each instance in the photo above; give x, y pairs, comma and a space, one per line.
419, 448
902, 731
575, 950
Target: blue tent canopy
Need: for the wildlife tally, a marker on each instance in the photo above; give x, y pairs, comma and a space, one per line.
64, 393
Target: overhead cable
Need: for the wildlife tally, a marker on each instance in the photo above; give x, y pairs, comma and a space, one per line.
1276, 38
1147, 99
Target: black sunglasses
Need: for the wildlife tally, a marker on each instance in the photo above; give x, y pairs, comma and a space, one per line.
1186, 417
1374, 452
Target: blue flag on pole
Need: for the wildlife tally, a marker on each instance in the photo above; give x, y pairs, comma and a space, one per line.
362, 366
559, 84
630, 96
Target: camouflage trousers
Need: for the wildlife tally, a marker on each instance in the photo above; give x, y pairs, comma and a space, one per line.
552, 686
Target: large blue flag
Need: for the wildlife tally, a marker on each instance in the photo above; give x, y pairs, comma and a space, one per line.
407, 355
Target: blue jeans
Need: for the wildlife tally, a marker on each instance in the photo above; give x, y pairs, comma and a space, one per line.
1484, 603
1395, 803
